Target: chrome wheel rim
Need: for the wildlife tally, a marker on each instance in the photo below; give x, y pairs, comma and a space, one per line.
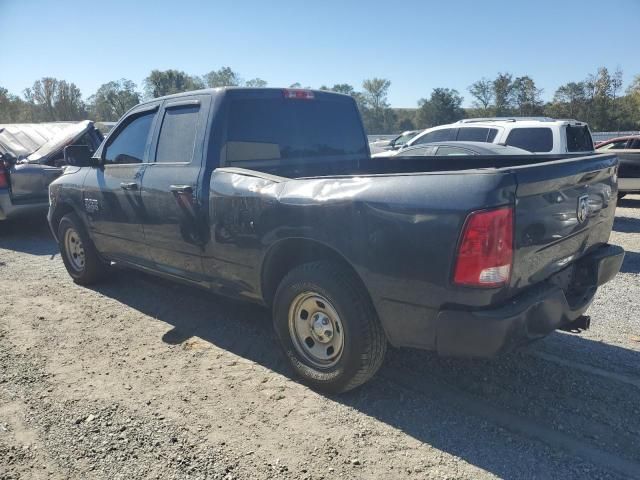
75, 250
316, 330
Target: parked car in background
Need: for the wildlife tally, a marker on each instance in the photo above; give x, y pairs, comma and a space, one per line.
31, 157
534, 134
628, 151
271, 195
630, 142
394, 143
438, 149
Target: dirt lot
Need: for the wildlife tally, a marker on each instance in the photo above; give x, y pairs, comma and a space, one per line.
140, 378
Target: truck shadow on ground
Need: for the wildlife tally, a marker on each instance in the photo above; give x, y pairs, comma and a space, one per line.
26, 235
521, 409
629, 202
631, 262
626, 225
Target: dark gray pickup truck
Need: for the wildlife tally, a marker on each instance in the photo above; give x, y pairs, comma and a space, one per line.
271, 195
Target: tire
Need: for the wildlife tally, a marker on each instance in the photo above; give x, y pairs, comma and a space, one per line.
78, 252
354, 344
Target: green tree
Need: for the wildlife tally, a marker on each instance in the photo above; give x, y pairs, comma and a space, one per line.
113, 99
374, 107
503, 93
570, 100
406, 124
344, 88
165, 82
256, 82
224, 77
483, 93
443, 106
526, 96
375, 93
54, 99
13, 108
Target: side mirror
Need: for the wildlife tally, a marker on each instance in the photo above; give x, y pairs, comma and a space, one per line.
79, 156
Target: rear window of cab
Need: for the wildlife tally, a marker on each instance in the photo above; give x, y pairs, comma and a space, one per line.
535, 139
281, 129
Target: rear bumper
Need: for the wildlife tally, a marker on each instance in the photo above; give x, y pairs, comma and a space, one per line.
529, 316
8, 210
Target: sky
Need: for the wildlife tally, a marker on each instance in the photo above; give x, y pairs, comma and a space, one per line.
417, 45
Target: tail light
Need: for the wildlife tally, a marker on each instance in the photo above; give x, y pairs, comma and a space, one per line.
4, 175
297, 93
485, 252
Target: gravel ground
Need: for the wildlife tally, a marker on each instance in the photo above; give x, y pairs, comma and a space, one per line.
140, 378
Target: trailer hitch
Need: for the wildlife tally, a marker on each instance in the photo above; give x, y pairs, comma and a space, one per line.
580, 324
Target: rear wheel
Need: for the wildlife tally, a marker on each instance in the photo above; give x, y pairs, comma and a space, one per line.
78, 253
328, 327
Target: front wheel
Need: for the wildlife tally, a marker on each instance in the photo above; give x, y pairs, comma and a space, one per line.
328, 327
78, 253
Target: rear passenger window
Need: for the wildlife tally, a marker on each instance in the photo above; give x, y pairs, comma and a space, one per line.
442, 135
442, 151
578, 139
635, 144
531, 139
129, 144
178, 134
477, 134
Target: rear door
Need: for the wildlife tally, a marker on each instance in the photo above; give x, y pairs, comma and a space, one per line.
173, 224
30, 182
563, 209
477, 134
112, 194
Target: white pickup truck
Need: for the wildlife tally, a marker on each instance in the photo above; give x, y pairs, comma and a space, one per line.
534, 134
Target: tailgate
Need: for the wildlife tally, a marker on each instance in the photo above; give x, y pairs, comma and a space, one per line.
563, 209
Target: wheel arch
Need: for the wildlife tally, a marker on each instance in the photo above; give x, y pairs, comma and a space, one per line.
289, 253
61, 209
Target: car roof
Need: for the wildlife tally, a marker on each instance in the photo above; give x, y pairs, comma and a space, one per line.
620, 139
520, 120
482, 148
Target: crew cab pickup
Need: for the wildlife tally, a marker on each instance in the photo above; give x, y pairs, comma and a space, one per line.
271, 195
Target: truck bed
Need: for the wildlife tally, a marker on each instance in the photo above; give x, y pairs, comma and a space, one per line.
401, 165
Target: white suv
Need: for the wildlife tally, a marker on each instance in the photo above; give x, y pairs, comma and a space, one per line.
536, 134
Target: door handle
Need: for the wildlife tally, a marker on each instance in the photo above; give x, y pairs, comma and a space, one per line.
181, 188
129, 186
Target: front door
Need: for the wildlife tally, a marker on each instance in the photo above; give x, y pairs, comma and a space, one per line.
175, 229
112, 193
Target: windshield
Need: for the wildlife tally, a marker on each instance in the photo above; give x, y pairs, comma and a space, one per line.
404, 138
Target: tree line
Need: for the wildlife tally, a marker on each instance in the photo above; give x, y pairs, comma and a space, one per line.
598, 99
